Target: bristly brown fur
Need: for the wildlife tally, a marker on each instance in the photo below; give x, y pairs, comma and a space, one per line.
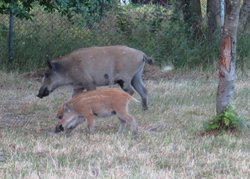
101, 103
89, 68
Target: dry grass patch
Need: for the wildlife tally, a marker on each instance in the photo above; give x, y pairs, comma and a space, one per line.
170, 142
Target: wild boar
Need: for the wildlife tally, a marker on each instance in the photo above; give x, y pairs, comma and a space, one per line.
88, 68
98, 103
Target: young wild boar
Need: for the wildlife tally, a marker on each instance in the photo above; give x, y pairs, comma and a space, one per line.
87, 68
97, 103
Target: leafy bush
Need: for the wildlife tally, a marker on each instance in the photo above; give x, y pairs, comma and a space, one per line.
228, 119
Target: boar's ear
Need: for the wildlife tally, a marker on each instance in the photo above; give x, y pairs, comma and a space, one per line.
67, 108
54, 66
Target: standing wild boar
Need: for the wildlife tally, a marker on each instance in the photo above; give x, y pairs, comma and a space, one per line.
87, 68
91, 104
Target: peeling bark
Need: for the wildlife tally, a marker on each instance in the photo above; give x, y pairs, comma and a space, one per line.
227, 75
226, 55
227, 61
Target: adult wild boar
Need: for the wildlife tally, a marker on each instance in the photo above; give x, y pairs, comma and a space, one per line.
87, 68
98, 103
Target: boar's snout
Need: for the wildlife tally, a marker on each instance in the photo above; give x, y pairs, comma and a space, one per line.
43, 92
59, 128
68, 125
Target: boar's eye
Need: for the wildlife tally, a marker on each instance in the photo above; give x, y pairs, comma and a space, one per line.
60, 116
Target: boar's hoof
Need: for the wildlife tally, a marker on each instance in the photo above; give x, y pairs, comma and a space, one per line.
39, 96
43, 92
145, 108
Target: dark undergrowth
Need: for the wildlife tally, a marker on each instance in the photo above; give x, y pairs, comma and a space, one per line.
151, 28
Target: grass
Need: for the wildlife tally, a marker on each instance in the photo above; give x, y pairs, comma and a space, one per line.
171, 142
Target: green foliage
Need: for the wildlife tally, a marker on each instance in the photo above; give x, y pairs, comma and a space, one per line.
163, 36
38, 43
91, 10
95, 9
228, 119
158, 31
243, 51
18, 8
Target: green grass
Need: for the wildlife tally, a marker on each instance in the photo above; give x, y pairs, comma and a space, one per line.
171, 142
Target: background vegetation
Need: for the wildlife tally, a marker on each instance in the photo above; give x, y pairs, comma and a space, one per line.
158, 31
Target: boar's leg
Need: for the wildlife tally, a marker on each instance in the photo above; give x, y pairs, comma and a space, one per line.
123, 116
90, 123
128, 88
84, 82
90, 86
138, 85
122, 125
77, 91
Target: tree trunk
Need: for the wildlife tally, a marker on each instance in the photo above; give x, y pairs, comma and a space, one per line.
227, 61
244, 22
11, 33
213, 18
192, 15
196, 9
185, 6
222, 12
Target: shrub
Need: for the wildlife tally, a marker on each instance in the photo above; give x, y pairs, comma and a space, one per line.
228, 119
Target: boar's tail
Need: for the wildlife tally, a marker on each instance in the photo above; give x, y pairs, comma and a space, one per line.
134, 99
148, 60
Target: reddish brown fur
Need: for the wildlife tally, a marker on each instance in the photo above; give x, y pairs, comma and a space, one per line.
101, 103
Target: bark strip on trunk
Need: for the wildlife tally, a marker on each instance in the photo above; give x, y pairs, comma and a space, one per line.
227, 75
